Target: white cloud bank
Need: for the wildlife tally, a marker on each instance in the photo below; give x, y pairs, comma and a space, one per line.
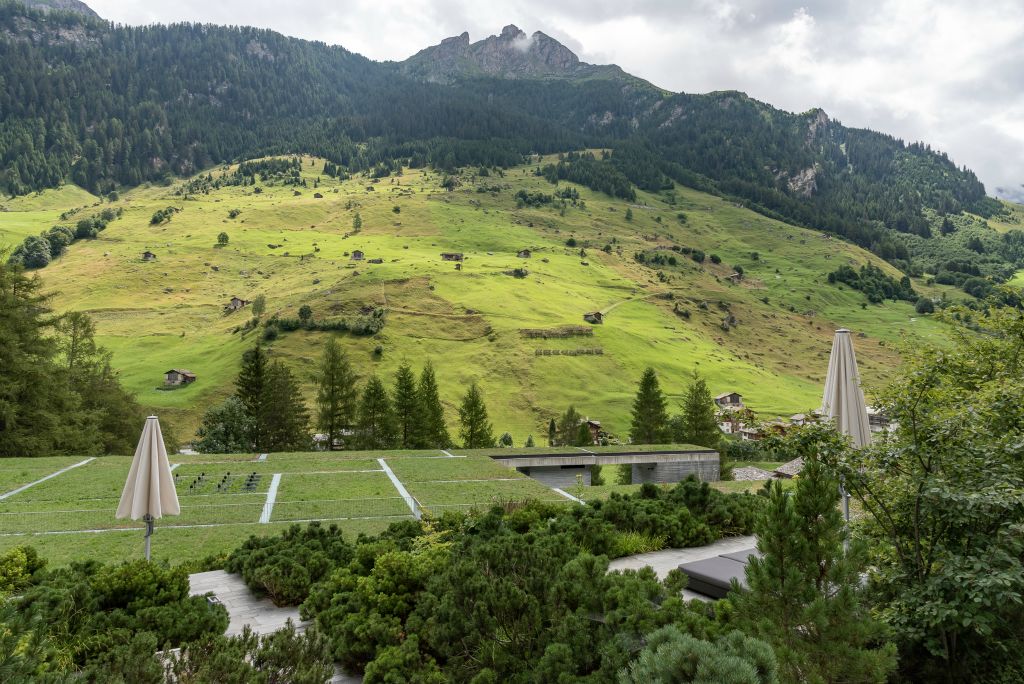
950, 73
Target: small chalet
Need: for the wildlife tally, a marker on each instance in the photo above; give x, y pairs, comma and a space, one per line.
523, 254
148, 256
750, 434
236, 303
594, 426
595, 317
451, 256
357, 255
177, 376
878, 421
729, 400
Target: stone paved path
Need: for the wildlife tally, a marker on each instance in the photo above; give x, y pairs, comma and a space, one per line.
668, 559
245, 609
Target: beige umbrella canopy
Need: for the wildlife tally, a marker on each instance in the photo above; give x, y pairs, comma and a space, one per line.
843, 400
149, 491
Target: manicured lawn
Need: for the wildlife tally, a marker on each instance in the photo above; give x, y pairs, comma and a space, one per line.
470, 468
16, 472
479, 493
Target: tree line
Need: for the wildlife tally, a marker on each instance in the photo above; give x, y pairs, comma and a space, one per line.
267, 412
58, 391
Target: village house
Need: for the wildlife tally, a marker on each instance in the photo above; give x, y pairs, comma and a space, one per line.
236, 303
729, 400
523, 254
878, 421
148, 256
595, 317
749, 433
799, 419
357, 255
178, 376
451, 256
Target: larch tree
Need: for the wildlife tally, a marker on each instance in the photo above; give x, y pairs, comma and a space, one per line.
476, 431
375, 422
336, 394
650, 417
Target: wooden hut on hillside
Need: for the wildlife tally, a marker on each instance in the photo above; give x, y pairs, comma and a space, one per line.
179, 376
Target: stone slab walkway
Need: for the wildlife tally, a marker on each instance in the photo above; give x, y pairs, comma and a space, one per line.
244, 608
669, 559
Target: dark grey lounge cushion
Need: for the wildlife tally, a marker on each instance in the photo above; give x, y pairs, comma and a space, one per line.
743, 556
713, 576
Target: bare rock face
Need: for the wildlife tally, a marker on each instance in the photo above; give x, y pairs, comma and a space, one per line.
510, 54
62, 5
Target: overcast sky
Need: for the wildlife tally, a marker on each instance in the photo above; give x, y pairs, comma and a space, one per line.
949, 72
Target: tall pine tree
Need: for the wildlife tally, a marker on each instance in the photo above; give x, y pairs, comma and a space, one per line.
431, 433
650, 418
406, 407
375, 422
569, 427
476, 431
336, 394
284, 415
249, 387
804, 595
698, 424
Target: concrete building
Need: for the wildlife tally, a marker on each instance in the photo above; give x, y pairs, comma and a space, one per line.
559, 467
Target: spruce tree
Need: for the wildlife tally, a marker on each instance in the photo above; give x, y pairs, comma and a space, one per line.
284, 415
476, 432
699, 422
249, 386
552, 433
804, 595
431, 433
336, 394
375, 424
407, 407
529, 442
650, 418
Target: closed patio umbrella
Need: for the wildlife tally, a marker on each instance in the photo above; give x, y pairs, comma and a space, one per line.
843, 399
149, 491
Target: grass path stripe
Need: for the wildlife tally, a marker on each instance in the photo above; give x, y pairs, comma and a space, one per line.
400, 487
447, 454
174, 466
44, 479
262, 457
569, 496
268, 507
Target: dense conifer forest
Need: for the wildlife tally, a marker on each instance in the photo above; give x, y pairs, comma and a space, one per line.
104, 106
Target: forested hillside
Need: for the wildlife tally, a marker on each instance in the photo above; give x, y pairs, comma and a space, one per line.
108, 106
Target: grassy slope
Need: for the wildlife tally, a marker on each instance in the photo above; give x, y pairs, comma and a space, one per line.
168, 313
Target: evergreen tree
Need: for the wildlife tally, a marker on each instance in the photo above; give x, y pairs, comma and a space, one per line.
225, 429
529, 442
336, 394
698, 423
249, 387
650, 418
431, 433
552, 433
259, 305
569, 427
476, 432
406, 407
357, 222
804, 594
583, 436
284, 414
375, 424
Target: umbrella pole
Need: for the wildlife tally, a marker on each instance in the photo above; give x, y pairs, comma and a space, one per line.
845, 498
149, 531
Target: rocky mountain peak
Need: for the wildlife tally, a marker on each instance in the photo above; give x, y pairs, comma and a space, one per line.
511, 32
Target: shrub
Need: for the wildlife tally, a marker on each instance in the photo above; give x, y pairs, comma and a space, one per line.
284, 567
924, 306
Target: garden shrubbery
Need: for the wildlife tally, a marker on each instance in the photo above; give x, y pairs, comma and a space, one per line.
285, 567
